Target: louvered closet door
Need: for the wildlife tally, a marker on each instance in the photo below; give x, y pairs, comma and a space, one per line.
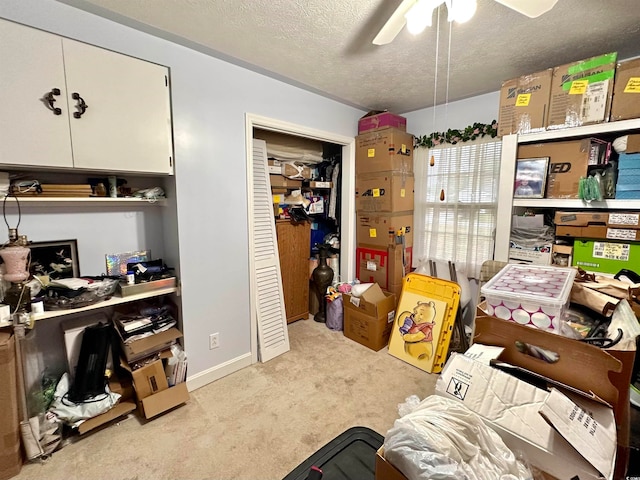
273, 337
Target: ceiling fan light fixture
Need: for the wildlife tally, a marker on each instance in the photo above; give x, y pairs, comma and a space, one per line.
461, 11
419, 16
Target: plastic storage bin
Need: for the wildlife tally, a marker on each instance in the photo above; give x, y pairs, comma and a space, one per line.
533, 295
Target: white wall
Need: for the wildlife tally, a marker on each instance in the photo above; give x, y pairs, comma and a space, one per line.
210, 98
458, 115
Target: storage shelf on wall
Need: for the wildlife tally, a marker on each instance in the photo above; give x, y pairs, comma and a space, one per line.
82, 201
106, 303
506, 202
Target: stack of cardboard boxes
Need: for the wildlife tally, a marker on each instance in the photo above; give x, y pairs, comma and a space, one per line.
384, 200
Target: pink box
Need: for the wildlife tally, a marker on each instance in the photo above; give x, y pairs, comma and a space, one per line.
371, 122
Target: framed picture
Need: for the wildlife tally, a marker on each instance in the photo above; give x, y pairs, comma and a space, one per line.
531, 177
58, 259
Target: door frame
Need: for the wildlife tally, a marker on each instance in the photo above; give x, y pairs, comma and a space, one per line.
348, 209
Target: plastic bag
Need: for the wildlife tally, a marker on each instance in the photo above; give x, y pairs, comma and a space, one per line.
442, 439
335, 313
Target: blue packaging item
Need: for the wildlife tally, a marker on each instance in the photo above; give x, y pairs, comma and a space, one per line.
627, 188
628, 160
628, 195
630, 177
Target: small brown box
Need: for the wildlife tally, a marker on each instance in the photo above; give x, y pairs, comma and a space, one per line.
626, 91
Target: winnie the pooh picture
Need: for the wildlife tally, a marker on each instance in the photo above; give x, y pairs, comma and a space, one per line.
416, 328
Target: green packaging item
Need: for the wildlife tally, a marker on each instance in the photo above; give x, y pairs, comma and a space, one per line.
606, 256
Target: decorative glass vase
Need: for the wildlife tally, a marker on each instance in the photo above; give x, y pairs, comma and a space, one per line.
322, 277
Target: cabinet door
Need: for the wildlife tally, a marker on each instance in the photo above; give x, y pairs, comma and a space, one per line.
127, 123
293, 247
30, 67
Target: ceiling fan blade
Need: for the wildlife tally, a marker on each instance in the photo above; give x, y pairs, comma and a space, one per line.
395, 23
530, 8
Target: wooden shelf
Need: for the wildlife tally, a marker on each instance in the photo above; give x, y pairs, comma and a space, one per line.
585, 131
576, 203
105, 303
83, 202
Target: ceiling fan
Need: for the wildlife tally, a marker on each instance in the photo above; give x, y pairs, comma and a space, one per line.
417, 14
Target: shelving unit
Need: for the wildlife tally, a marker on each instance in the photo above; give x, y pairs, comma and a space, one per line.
506, 202
103, 304
83, 202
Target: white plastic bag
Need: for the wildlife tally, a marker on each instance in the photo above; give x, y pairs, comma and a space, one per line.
442, 439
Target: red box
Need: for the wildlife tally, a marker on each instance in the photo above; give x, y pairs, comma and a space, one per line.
378, 121
384, 266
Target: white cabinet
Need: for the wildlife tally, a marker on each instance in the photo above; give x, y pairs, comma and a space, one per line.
125, 127
506, 202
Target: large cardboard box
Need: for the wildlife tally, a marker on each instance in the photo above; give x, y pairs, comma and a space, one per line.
375, 120
386, 267
581, 92
384, 192
606, 256
597, 374
368, 319
568, 162
524, 103
626, 91
624, 220
11, 457
383, 151
382, 229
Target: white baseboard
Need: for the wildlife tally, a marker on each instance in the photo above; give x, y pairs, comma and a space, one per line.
212, 374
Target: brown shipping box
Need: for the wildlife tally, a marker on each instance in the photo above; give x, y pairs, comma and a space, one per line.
385, 150
11, 454
598, 225
581, 92
524, 103
381, 229
626, 91
601, 375
568, 162
368, 319
384, 192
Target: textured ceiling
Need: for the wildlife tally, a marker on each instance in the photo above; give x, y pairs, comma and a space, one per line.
325, 45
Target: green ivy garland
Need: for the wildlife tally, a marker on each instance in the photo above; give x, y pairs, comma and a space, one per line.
477, 130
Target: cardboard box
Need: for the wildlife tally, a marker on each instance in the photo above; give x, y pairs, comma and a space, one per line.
11, 457
384, 192
561, 255
511, 406
633, 144
381, 229
626, 91
581, 92
279, 181
316, 184
385, 470
524, 103
568, 162
375, 120
120, 409
598, 374
368, 319
386, 267
606, 257
383, 151
598, 232
539, 255
624, 220
147, 346
153, 393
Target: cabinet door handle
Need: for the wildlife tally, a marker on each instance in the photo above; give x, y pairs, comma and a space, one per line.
49, 101
81, 106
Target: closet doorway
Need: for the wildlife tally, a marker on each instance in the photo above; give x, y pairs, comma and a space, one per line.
346, 215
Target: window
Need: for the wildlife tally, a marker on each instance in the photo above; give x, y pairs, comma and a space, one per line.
460, 227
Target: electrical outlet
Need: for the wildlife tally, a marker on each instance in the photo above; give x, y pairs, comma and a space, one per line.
214, 341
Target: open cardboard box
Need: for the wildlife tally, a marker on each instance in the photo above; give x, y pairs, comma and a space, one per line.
600, 375
147, 346
368, 319
590, 376
153, 393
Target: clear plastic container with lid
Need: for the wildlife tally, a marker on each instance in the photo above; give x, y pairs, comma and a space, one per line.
535, 295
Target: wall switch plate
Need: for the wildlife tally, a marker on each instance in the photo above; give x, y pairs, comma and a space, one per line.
214, 341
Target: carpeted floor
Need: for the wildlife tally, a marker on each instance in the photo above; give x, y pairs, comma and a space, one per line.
258, 423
